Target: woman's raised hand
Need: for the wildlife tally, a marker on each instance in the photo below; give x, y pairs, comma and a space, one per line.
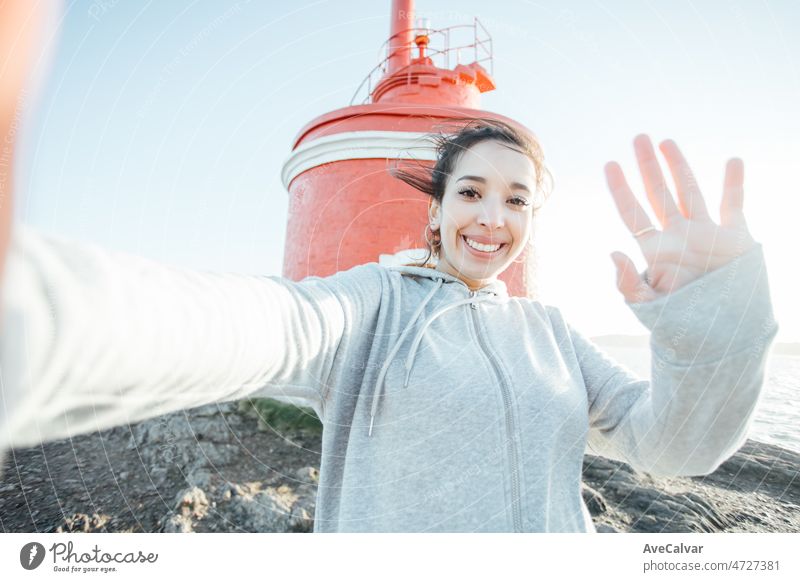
689, 243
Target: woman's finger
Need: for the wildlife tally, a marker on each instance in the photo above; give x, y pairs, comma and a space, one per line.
629, 282
732, 208
632, 213
690, 199
656, 187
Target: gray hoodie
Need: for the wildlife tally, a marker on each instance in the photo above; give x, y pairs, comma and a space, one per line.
443, 409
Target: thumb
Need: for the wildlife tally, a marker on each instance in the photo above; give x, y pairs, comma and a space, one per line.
629, 282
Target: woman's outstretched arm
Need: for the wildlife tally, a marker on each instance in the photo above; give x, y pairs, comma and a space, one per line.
90, 339
93, 338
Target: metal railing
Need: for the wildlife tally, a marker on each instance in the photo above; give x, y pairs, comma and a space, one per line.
439, 50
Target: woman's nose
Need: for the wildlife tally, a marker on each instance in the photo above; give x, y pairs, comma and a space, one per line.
491, 215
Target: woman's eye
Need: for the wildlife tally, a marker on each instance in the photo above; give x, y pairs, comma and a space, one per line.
471, 193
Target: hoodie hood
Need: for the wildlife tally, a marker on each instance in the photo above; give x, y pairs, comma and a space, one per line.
493, 291
497, 287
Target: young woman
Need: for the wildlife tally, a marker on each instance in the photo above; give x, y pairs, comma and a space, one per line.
447, 405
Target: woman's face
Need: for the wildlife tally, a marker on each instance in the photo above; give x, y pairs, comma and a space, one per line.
488, 201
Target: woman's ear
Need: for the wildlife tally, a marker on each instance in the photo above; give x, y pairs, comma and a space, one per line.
433, 214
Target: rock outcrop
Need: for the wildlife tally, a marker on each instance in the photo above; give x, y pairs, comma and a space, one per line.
219, 469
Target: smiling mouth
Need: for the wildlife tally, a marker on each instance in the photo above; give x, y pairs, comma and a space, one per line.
482, 249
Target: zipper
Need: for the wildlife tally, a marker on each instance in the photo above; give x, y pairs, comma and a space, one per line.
512, 445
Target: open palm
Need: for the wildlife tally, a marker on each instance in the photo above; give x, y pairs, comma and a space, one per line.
689, 243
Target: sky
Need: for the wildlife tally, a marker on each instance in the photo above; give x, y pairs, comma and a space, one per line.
160, 128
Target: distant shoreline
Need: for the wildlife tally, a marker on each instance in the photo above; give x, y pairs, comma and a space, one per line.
643, 341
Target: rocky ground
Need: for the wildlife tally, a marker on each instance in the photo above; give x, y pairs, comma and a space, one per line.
221, 469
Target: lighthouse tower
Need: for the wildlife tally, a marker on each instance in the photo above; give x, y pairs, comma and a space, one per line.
345, 208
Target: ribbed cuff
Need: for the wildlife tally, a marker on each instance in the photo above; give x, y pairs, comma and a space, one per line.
724, 312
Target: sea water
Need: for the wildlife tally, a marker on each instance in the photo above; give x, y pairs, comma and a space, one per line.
777, 416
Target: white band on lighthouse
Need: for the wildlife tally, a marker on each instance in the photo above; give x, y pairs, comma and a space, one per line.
357, 145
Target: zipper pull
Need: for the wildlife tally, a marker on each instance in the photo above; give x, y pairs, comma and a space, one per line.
473, 294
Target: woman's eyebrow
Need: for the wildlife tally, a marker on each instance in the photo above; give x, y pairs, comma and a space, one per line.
514, 185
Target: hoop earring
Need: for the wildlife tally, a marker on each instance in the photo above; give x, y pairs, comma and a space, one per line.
436, 240
528, 247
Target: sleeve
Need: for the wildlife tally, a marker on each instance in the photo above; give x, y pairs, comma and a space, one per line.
93, 338
709, 345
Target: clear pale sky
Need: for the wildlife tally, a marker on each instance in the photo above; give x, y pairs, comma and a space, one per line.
161, 127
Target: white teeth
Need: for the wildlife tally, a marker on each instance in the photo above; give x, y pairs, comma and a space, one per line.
481, 247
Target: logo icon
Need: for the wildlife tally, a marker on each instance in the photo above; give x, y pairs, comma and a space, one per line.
31, 555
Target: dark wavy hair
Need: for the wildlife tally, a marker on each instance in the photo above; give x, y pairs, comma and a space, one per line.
451, 145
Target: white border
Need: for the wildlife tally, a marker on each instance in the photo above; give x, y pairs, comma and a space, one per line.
357, 145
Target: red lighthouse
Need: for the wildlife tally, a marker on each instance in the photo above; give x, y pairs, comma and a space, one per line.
345, 208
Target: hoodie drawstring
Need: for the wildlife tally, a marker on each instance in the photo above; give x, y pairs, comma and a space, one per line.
415, 344
418, 339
